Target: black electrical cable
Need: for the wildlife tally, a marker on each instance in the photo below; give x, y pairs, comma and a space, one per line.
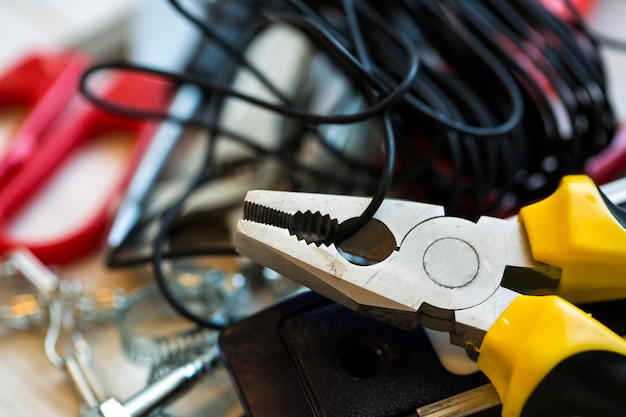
565, 34
213, 87
161, 280
122, 110
167, 219
513, 120
178, 253
381, 105
449, 141
591, 107
587, 76
212, 34
348, 229
478, 18
159, 243
115, 259
236, 55
355, 34
388, 101
461, 142
350, 17
512, 92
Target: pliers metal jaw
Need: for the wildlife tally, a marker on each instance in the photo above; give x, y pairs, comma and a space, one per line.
441, 272
455, 275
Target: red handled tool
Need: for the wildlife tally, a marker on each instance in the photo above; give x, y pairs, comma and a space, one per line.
44, 85
57, 124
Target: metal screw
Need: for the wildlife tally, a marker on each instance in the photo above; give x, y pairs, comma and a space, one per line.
159, 393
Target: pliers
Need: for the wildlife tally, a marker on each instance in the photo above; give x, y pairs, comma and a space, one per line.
413, 265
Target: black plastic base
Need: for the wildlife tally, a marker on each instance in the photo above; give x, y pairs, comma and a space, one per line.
310, 357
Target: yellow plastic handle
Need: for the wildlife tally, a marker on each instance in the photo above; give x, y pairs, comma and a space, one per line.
575, 230
544, 353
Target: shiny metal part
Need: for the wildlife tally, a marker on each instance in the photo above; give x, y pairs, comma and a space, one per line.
21, 311
462, 405
24, 262
29, 305
63, 306
28, 287
63, 337
443, 272
152, 332
84, 380
159, 393
66, 347
101, 305
615, 191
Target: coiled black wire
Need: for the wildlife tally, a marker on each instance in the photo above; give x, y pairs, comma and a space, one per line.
476, 123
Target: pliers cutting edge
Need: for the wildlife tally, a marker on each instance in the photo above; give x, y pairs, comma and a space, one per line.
412, 265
